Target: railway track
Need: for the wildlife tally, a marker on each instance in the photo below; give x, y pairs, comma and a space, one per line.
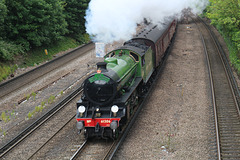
24, 79
67, 78
41, 122
93, 149
224, 98
106, 150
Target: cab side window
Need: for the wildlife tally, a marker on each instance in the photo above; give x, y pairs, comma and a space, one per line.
134, 56
112, 54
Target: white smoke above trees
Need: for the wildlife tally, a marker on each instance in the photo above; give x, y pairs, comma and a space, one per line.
113, 20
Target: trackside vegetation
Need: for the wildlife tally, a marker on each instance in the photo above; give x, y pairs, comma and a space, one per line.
27, 28
225, 15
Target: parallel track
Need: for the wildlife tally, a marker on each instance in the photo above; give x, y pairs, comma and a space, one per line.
46, 143
226, 109
33, 127
24, 79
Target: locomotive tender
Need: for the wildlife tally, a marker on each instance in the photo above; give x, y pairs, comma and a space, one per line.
111, 94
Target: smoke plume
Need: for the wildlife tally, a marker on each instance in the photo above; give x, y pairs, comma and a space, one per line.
113, 20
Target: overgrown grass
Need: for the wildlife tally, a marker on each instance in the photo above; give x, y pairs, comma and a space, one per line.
37, 109
6, 116
40, 107
38, 55
51, 99
6, 70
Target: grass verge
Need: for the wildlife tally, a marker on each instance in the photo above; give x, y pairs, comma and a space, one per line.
6, 69
38, 55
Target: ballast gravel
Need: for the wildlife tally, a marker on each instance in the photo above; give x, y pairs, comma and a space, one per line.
174, 121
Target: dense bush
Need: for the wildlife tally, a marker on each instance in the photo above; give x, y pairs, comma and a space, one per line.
8, 50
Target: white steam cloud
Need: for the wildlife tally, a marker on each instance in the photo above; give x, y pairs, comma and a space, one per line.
113, 20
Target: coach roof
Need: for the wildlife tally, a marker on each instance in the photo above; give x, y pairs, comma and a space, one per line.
152, 32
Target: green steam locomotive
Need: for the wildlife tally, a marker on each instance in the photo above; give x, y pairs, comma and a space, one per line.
112, 93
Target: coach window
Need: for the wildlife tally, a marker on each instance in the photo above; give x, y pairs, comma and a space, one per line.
143, 60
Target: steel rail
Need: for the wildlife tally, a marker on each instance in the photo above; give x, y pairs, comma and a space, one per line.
227, 68
231, 79
224, 59
52, 137
26, 132
213, 96
75, 155
79, 150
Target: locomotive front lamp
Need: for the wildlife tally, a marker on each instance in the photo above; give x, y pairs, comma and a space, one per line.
114, 109
98, 113
81, 110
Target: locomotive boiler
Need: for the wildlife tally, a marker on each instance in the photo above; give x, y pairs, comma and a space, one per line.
111, 94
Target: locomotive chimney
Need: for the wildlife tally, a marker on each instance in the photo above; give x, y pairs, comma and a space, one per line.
102, 65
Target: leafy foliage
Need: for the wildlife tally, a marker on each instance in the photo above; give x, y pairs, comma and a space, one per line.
8, 50
3, 14
225, 15
36, 22
5, 70
25, 24
75, 12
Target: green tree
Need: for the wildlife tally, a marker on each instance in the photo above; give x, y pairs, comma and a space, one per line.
57, 25
35, 22
3, 14
226, 16
75, 12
